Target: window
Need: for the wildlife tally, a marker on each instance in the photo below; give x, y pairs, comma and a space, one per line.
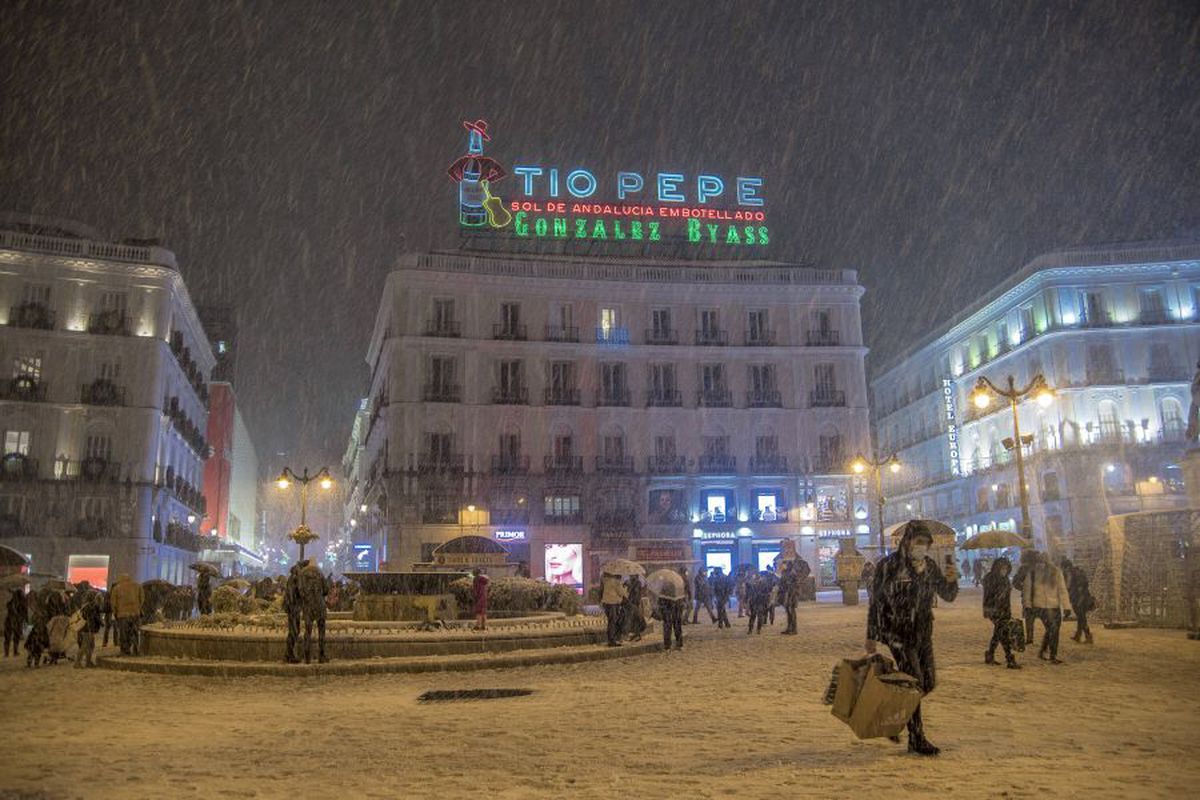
612, 382
613, 448
829, 450
664, 448
1050, 486
710, 323
660, 323
757, 329
982, 496
510, 377
16, 442
1110, 423
562, 376
768, 506
99, 447
766, 448
1150, 304
510, 318
712, 378
1100, 365
717, 505
1095, 311
560, 507
441, 372
564, 448
114, 301
37, 293
825, 381
222, 348
565, 314
662, 379
443, 314
1027, 329
1160, 367
762, 379
716, 446
109, 371
822, 321
28, 365
1173, 424
439, 446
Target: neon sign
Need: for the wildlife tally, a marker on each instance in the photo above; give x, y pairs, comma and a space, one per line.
510, 535
951, 425
553, 202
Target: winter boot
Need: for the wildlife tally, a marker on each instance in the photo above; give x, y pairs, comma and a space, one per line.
923, 747
1011, 663
990, 656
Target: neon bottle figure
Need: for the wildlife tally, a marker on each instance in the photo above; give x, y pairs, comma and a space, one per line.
470, 193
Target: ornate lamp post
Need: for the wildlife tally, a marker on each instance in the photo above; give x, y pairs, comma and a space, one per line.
861, 464
1041, 391
303, 534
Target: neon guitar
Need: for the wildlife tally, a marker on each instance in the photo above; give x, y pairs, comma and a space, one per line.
498, 216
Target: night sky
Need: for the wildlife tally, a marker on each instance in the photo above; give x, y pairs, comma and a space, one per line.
289, 151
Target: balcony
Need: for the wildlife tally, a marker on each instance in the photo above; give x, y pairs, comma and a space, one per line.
711, 337
510, 333
560, 333
102, 392
564, 518
510, 465
770, 515
510, 396
612, 335
440, 462
663, 399
769, 465
509, 516
619, 465
445, 329
108, 323
31, 315
1096, 319
760, 338
23, 389
714, 398
666, 465
764, 398
559, 396
612, 397
823, 338
1154, 316
665, 336
826, 398
563, 465
717, 464
1167, 373
442, 393
17, 467
614, 524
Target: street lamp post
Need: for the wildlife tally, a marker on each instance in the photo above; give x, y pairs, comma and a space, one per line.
860, 465
304, 534
1041, 391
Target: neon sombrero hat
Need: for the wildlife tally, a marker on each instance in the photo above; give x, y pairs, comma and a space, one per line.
479, 126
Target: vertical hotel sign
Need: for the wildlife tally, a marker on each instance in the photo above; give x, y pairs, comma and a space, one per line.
546, 201
951, 413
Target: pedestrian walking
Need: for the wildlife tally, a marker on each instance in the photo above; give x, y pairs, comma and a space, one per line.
16, 614
702, 594
1028, 615
1045, 592
722, 588
867, 579
901, 615
743, 577
1081, 600
127, 597
977, 572
612, 595
479, 594
997, 606
789, 594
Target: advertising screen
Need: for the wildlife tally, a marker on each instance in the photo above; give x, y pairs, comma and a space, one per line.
93, 569
667, 505
364, 558
719, 558
564, 564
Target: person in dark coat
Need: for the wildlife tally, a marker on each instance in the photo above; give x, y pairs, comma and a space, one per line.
204, 593
867, 579
997, 606
977, 572
479, 597
758, 599
291, 607
672, 610
721, 586
1028, 559
901, 615
702, 595
635, 623
1081, 599
16, 614
38, 640
789, 594
313, 587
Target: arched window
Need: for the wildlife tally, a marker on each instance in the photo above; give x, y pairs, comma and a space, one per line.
612, 448
830, 453
1173, 422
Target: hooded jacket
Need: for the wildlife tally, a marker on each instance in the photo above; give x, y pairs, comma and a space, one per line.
997, 592
1044, 587
901, 609
613, 591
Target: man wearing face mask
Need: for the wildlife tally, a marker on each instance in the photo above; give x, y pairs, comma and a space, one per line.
901, 614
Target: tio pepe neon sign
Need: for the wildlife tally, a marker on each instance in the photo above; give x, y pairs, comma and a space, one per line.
553, 203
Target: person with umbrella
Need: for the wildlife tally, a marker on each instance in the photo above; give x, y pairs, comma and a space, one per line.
671, 589
901, 614
612, 594
997, 606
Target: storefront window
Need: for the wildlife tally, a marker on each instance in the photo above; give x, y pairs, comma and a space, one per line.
832, 504
718, 505
768, 506
765, 557
667, 505
719, 557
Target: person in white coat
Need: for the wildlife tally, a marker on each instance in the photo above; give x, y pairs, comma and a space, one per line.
1045, 592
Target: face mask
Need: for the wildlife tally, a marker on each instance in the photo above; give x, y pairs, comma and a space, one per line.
917, 552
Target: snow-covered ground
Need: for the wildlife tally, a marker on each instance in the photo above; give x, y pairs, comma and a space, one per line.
729, 716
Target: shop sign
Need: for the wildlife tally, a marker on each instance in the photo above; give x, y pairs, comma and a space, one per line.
948, 408
509, 535
555, 202
709, 536
835, 533
662, 552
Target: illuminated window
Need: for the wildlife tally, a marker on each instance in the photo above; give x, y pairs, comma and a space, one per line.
28, 365
221, 347
16, 442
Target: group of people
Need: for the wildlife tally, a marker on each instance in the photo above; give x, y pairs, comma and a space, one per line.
58, 614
